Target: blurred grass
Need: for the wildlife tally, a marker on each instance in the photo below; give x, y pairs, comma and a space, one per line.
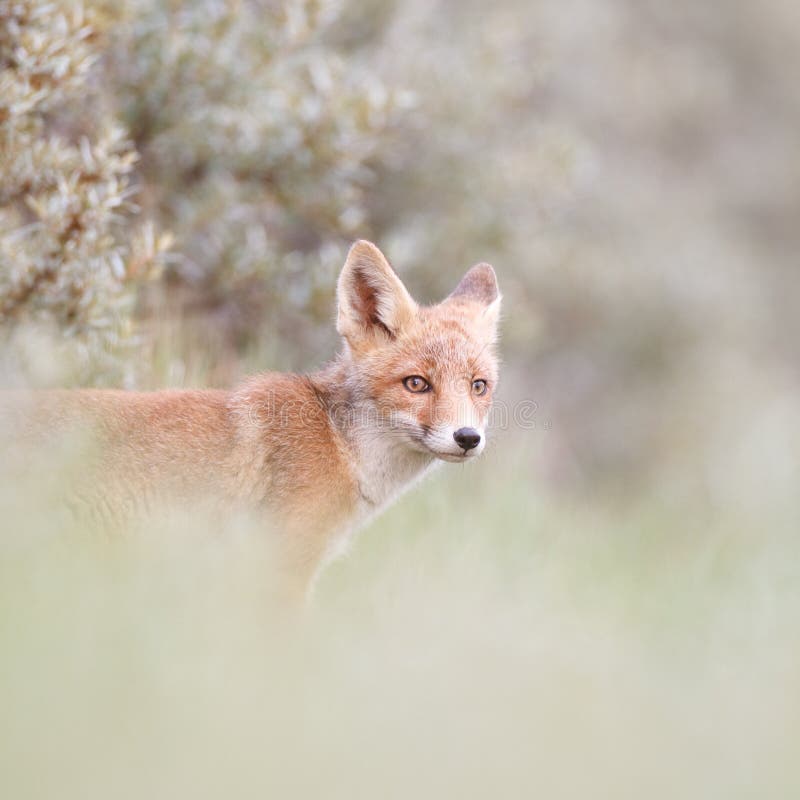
482, 639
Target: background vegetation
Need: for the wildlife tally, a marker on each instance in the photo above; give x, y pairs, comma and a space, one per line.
607, 604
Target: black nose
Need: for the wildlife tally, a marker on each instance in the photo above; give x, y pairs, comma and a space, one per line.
467, 438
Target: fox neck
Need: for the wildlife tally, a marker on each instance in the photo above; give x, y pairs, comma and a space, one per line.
384, 464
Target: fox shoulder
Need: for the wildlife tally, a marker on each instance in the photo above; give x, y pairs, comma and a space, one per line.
284, 432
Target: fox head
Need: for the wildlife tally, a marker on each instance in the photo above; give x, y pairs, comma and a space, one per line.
429, 372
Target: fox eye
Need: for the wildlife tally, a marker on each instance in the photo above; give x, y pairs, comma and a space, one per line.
479, 387
416, 384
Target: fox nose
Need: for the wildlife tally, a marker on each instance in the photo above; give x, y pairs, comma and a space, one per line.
467, 438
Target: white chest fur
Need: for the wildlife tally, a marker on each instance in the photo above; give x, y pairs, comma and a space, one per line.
384, 467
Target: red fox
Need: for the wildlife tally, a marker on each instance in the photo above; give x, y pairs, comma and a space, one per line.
318, 454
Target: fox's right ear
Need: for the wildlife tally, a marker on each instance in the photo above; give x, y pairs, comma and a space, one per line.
479, 286
373, 303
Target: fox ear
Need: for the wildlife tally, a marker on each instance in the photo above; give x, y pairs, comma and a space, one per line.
479, 285
372, 299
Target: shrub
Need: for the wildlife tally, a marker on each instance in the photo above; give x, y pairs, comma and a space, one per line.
258, 140
68, 258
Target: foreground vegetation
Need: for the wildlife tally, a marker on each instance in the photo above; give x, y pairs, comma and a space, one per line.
480, 640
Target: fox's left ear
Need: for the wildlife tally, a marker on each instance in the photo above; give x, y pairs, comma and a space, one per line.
479, 285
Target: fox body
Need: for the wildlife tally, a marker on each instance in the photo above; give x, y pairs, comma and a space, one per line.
317, 454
